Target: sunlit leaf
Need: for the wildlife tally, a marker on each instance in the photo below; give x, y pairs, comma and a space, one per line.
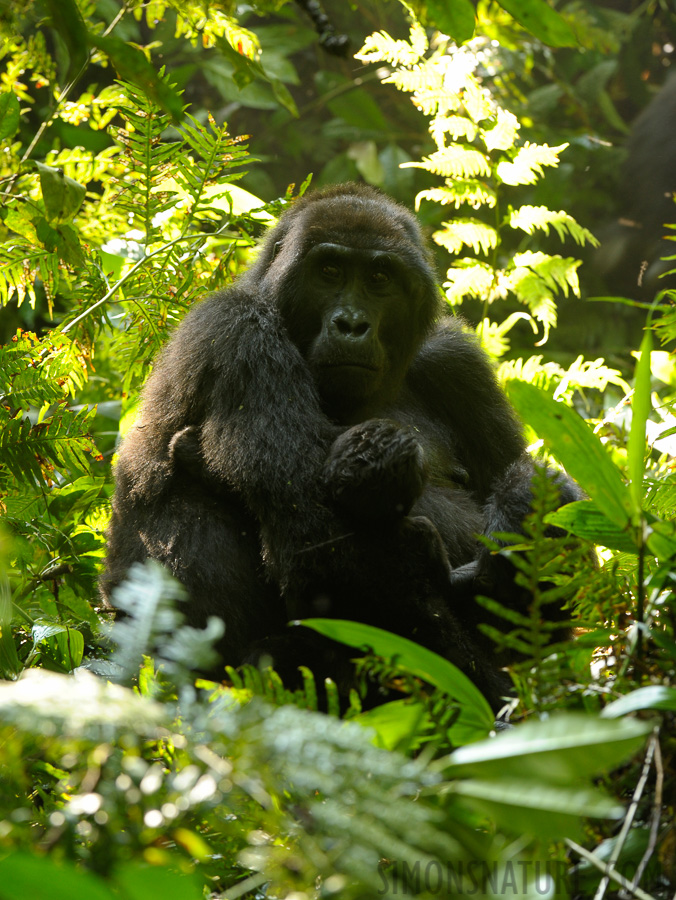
10, 114
572, 442
540, 19
653, 696
455, 19
563, 749
63, 196
475, 718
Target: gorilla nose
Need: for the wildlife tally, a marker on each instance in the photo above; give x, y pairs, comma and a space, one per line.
351, 326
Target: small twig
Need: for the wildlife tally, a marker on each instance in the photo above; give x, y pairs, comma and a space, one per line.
243, 887
608, 871
134, 268
628, 819
656, 815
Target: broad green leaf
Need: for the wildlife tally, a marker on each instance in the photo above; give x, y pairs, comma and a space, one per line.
10, 113
572, 442
523, 806
42, 632
562, 750
27, 875
354, 107
660, 537
68, 22
68, 648
540, 19
653, 696
140, 881
283, 96
62, 195
455, 19
640, 410
475, 719
395, 723
585, 520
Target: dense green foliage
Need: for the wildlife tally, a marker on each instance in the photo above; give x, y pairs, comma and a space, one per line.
120, 208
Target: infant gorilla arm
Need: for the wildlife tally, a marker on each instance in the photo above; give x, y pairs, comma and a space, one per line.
314, 441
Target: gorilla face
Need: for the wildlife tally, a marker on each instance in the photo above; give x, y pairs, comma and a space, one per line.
355, 321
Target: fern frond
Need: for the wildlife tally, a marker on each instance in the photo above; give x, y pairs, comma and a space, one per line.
503, 134
533, 291
380, 47
532, 370
267, 683
593, 373
151, 161
436, 101
219, 154
456, 126
35, 373
558, 272
22, 266
477, 101
526, 167
531, 218
466, 233
454, 161
581, 374
420, 79
154, 627
27, 450
459, 192
475, 279
493, 335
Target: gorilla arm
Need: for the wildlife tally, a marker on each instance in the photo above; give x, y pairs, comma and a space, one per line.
232, 374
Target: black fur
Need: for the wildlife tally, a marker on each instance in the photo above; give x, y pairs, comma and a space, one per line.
315, 441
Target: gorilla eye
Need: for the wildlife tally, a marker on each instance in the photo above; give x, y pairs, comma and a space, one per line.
330, 271
380, 277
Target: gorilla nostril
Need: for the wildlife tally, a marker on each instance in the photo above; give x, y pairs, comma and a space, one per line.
351, 327
342, 325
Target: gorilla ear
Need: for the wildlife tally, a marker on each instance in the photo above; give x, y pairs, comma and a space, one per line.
275, 249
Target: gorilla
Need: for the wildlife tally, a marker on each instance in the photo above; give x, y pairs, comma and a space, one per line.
320, 440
